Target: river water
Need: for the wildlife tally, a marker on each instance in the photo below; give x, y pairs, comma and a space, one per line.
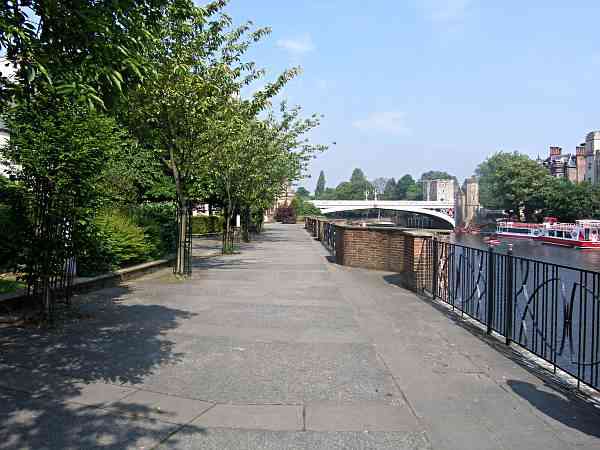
576, 258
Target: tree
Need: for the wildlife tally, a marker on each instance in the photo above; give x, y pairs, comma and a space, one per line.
85, 50
358, 177
302, 192
437, 175
569, 201
359, 186
304, 208
512, 182
379, 185
320, 189
195, 110
258, 159
405, 185
414, 192
58, 151
389, 191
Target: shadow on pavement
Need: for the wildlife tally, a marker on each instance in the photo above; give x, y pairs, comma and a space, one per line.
562, 409
55, 382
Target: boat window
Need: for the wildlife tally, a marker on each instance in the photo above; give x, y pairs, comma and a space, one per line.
587, 234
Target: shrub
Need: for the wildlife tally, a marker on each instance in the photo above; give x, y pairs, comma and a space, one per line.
112, 241
159, 223
285, 214
207, 224
304, 208
13, 223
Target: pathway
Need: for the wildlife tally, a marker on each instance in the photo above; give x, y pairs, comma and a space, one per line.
275, 348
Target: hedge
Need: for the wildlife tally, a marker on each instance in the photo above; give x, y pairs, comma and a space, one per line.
207, 224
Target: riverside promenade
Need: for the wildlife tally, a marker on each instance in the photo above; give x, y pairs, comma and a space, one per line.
275, 348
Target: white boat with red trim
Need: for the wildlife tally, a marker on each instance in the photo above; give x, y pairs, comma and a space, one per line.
581, 234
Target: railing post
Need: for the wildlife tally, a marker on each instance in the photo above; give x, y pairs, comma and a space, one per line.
435, 269
490, 288
508, 289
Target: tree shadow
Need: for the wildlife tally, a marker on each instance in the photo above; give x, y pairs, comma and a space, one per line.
572, 413
57, 384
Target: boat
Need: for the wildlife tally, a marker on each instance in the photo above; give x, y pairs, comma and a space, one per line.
581, 234
518, 230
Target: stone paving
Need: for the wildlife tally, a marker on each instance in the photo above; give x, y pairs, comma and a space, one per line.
275, 348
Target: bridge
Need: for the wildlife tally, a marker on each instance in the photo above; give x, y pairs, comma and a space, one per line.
443, 210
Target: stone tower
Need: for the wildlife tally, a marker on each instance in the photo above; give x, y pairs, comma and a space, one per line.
466, 203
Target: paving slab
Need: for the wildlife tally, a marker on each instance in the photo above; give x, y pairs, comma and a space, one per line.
360, 416
227, 439
227, 370
51, 425
253, 417
167, 408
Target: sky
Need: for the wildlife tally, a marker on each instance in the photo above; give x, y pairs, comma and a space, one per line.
407, 86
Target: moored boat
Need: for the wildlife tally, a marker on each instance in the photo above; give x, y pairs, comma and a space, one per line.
518, 230
581, 234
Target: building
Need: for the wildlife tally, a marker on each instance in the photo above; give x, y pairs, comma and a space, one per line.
466, 203
592, 148
583, 165
561, 165
580, 154
439, 190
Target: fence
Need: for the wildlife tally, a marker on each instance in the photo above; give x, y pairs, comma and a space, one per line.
329, 237
550, 310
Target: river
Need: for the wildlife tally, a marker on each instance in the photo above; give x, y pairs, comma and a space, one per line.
576, 258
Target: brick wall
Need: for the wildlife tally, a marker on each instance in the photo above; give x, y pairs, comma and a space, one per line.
407, 252
369, 248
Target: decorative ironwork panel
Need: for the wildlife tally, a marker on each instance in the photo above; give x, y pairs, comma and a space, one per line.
551, 310
329, 237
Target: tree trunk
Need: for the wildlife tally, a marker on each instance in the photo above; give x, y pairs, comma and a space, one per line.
246, 224
228, 231
182, 212
181, 239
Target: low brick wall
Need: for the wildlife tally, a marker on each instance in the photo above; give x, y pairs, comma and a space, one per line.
402, 250
370, 248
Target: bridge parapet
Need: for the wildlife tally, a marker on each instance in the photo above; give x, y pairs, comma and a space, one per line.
443, 210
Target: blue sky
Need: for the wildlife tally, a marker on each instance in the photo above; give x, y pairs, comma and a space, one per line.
412, 85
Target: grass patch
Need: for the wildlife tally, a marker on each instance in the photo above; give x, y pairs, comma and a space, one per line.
10, 284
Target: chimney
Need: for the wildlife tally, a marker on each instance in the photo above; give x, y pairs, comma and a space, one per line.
555, 151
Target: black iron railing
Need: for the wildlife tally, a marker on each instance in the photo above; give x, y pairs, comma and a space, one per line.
329, 236
549, 309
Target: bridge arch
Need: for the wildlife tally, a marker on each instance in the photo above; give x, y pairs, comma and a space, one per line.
430, 209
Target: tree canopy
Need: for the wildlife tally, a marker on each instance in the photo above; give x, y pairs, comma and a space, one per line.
117, 104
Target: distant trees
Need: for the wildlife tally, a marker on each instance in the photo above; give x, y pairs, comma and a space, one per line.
437, 175
379, 185
320, 189
389, 191
302, 192
406, 188
405, 185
